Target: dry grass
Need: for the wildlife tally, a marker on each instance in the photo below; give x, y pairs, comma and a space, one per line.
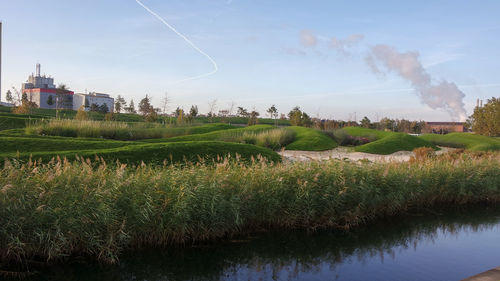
59, 209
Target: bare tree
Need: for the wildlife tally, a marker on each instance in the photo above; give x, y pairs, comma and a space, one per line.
165, 101
231, 108
212, 106
18, 95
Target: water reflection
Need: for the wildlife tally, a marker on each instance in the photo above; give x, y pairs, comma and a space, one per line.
416, 247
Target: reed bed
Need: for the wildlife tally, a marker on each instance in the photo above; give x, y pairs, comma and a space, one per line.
116, 130
60, 209
274, 139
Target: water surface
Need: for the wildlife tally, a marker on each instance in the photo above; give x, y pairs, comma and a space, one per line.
446, 245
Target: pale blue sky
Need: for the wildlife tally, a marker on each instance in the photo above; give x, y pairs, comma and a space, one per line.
115, 46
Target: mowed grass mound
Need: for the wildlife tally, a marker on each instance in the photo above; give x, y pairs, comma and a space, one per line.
229, 135
10, 145
160, 153
394, 143
464, 140
13, 122
364, 132
308, 139
387, 142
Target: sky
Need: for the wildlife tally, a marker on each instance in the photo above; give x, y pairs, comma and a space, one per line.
418, 60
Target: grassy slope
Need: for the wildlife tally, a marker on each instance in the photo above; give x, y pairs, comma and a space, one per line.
363, 132
212, 136
11, 145
464, 140
387, 142
393, 143
310, 140
157, 153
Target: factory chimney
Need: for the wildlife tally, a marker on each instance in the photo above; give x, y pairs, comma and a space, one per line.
37, 70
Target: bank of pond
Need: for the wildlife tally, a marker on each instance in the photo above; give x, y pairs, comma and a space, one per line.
61, 209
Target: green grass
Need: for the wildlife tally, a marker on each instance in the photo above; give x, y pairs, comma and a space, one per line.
386, 142
464, 140
159, 153
62, 209
364, 132
12, 121
117, 130
393, 143
229, 135
11, 145
310, 140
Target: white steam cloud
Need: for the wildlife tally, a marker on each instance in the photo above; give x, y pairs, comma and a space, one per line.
441, 95
215, 67
342, 45
307, 38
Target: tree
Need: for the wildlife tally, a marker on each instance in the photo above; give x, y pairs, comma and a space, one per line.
81, 114
253, 118
180, 115
486, 119
273, 112
24, 97
120, 104
299, 118
212, 105
242, 112
62, 87
193, 112
103, 108
50, 100
131, 107
145, 106
365, 122
178, 111
8, 97
295, 116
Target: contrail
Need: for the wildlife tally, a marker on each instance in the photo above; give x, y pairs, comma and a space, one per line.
216, 68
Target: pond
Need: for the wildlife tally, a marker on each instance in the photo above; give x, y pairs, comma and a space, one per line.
442, 245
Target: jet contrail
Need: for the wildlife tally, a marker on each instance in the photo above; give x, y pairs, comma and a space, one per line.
216, 68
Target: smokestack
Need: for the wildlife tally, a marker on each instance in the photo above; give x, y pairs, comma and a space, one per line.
37, 70
477, 103
481, 103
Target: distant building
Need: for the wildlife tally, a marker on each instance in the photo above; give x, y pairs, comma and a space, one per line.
443, 127
87, 100
42, 91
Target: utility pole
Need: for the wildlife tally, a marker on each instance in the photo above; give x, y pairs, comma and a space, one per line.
0, 61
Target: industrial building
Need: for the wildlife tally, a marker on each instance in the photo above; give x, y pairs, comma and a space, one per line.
42, 91
443, 127
86, 100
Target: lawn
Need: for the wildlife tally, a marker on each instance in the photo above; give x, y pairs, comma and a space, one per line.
464, 140
310, 140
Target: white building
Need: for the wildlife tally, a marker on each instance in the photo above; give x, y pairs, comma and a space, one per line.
87, 100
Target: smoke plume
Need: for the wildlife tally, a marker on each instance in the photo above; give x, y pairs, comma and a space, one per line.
307, 38
342, 45
441, 95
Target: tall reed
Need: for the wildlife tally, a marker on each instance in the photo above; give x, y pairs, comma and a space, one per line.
55, 210
111, 129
